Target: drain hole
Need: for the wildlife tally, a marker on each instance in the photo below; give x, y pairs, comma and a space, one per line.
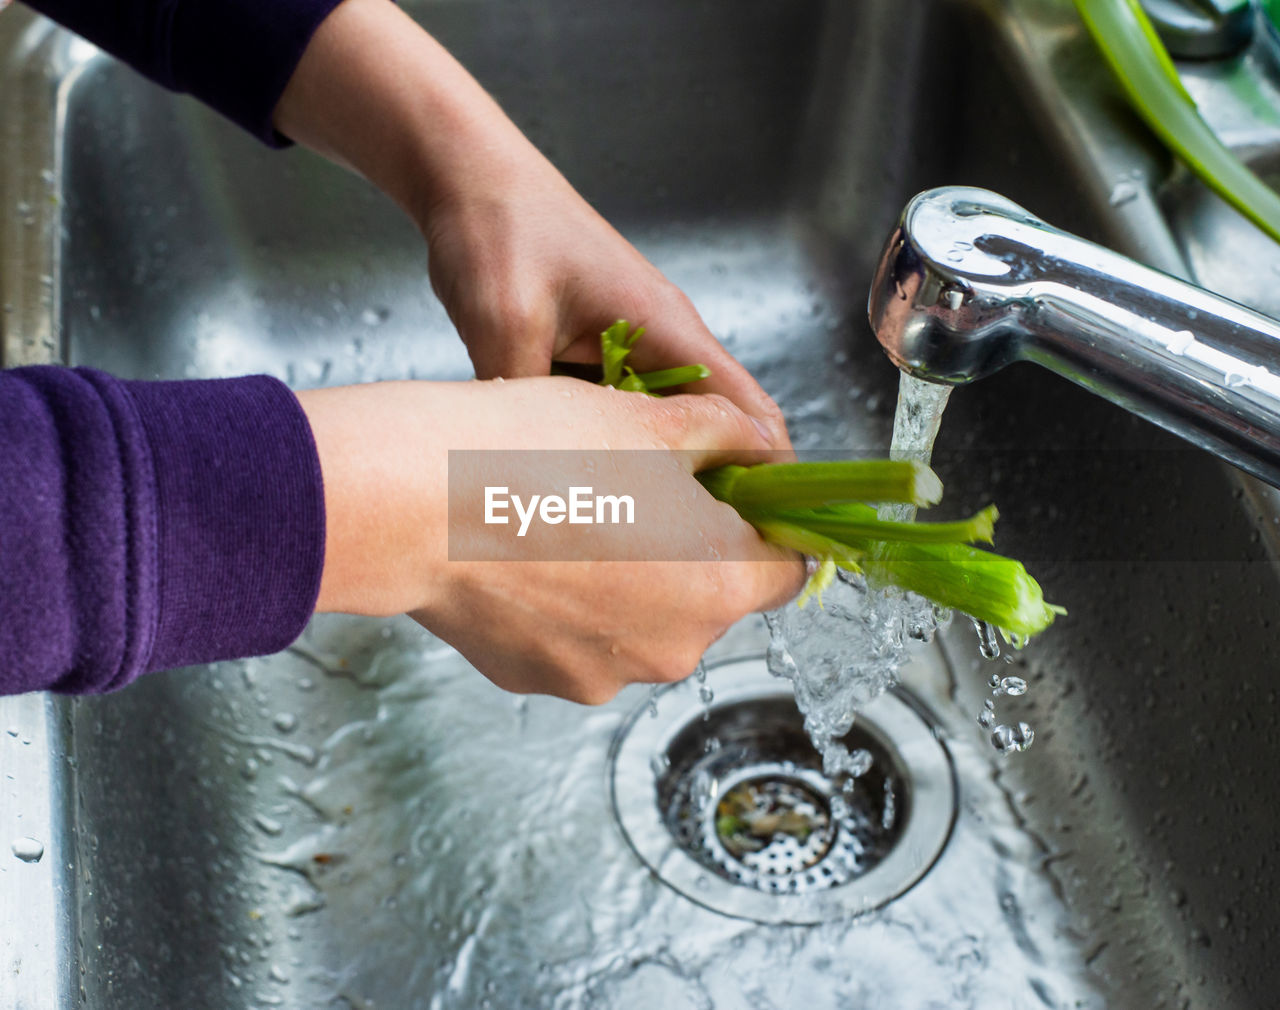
731, 807
756, 809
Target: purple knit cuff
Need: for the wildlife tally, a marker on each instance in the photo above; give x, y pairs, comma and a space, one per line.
239, 504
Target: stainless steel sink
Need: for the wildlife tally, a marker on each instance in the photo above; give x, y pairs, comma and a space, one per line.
363, 821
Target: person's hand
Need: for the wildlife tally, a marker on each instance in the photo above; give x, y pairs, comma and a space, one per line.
579, 629
527, 270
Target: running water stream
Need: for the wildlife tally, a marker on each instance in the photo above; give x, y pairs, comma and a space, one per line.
842, 654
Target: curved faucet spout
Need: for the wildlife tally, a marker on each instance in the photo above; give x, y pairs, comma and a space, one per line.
969, 281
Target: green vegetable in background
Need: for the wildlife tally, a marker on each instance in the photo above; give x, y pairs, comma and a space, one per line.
1139, 59
820, 509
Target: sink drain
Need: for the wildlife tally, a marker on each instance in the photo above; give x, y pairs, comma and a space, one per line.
731, 807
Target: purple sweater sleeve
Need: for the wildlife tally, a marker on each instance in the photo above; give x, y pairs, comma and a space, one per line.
148, 525
234, 55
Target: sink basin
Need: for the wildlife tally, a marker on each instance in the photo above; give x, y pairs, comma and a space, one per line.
363, 821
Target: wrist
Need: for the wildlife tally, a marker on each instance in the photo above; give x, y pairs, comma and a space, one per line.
385, 496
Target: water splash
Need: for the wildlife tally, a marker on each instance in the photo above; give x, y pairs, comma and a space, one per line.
842, 654
705, 694
1006, 739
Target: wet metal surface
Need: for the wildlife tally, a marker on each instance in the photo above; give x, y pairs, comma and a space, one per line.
363, 821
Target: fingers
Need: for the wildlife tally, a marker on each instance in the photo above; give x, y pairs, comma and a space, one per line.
680, 337
710, 430
508, 340
778, 579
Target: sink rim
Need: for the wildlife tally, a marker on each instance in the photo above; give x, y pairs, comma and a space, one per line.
38, 63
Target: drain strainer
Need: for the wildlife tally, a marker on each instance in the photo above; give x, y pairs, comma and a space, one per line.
729, 805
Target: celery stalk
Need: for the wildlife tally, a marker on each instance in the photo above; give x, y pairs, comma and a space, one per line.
668, 377
810, 485
975, 582
615, 344
860, 523
820, 509
987, 586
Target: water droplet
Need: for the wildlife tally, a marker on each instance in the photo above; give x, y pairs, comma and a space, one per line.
1010, 739
858, 764
1013, 686
988, 642
1181, 342
29, 850
302, 901
1123, 192
285, 722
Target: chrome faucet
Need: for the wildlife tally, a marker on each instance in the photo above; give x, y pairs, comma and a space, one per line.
969, 281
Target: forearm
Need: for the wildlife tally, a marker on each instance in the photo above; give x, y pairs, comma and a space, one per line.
528, 271
378, 94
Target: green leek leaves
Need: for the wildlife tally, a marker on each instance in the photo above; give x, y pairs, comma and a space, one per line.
1142, 64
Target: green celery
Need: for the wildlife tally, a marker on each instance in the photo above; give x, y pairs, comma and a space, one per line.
667, 377
820, 510
846, 523
615, 344
987, 586
975, 582
810, 485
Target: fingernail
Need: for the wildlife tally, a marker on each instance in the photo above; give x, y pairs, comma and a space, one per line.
765, 433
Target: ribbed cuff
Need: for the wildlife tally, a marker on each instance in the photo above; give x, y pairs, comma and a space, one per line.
239, 503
